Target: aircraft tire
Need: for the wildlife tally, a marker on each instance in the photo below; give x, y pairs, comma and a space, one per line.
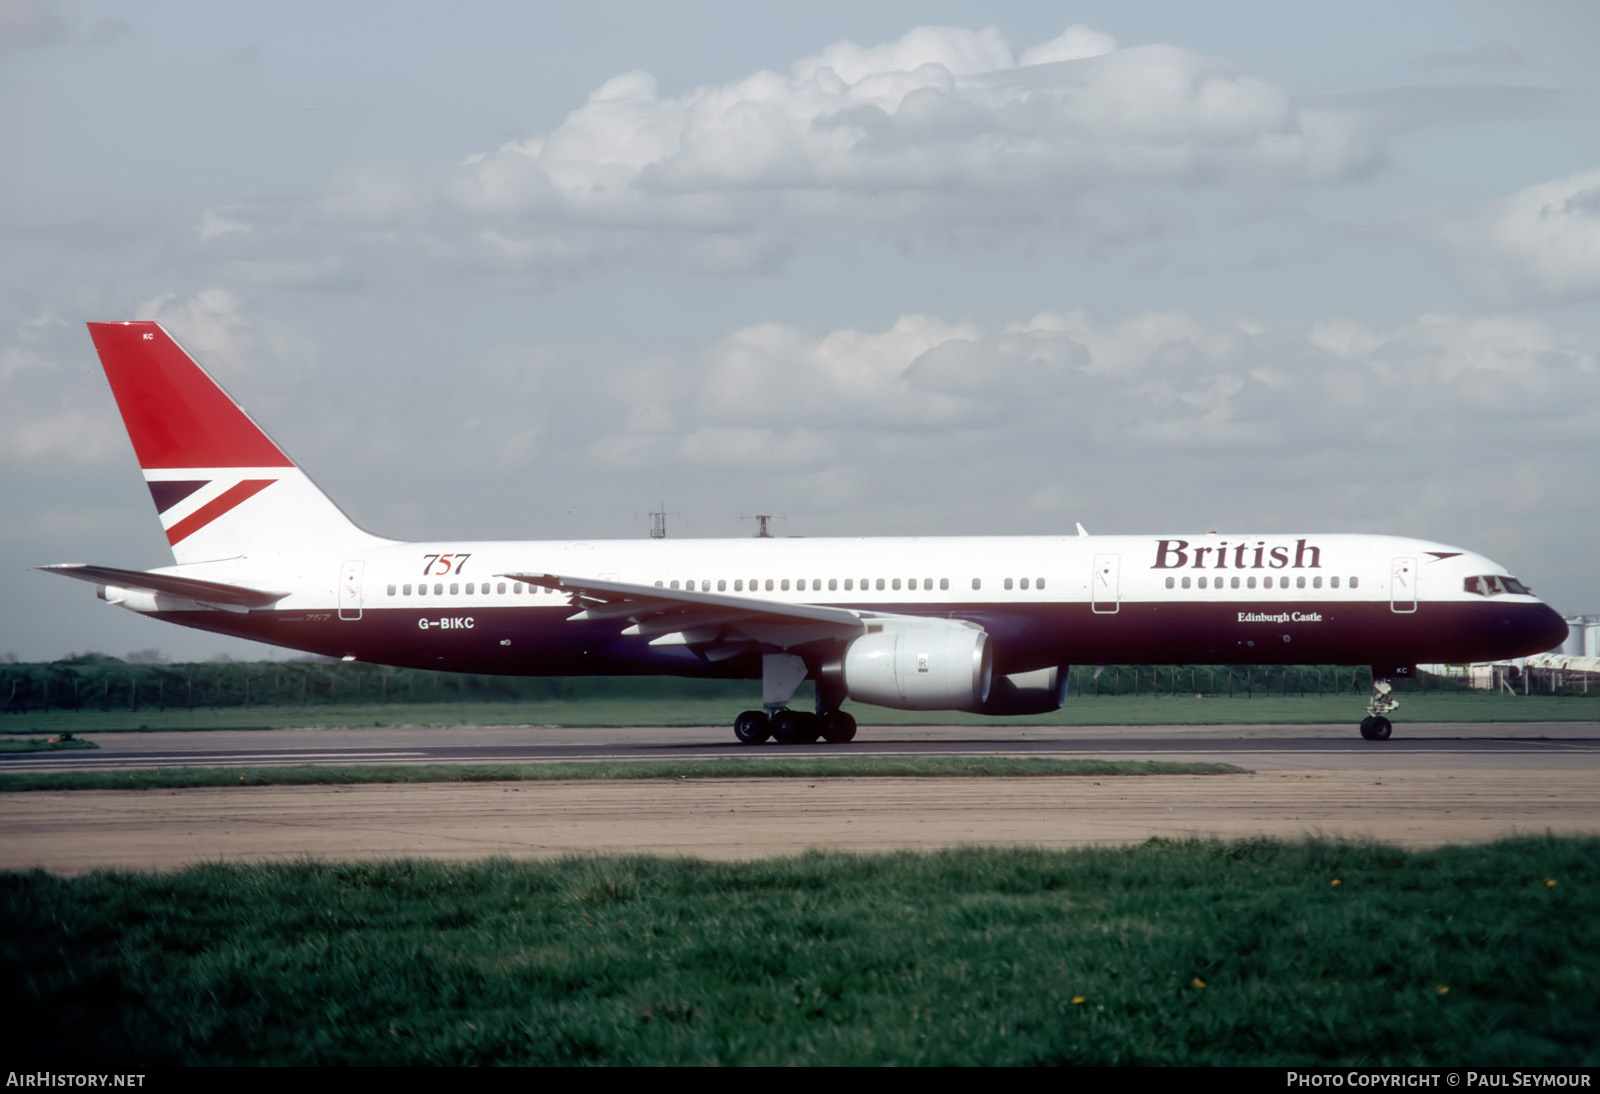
1376, 728
838, 727
786, 727
795, 727
751, 727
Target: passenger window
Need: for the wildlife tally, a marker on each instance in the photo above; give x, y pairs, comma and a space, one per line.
880, 584
1185, 583
833, 584
897, 583
1355, 583
849, 584
1024, 583
1171, 581
1316, 582
674, 583
438, 588
1008, 583
769, 585
1250, 582
516, 589
1202, 583
722, 585
977, 583
944, 584
1333, 583
1233, 583
1300, 582
471, 585
784, 585
1038, 583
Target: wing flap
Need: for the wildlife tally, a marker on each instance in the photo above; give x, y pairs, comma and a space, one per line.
703, 620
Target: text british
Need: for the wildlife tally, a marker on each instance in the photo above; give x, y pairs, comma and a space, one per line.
1175, 554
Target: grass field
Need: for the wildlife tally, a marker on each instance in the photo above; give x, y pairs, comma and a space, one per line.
1166, 953
837, 766
682, 711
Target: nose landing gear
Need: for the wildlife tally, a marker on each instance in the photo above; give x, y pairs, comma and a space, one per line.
1375, 726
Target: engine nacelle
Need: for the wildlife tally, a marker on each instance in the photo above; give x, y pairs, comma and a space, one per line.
937, 665
1037, 692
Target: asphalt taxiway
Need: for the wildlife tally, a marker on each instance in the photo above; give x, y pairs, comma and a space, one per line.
1433, 784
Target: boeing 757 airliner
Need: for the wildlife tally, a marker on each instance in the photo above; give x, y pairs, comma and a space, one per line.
981, 624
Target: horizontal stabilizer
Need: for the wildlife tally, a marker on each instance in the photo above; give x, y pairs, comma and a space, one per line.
189, 588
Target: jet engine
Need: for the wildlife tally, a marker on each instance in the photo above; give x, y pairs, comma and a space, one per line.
933, 665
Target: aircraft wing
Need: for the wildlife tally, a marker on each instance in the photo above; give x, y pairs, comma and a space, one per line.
210, 593
715, 625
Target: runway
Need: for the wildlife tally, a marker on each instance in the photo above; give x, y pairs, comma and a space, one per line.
1437, 784
1253, 746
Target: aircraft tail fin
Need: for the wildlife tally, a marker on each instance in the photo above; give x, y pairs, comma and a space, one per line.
223, 489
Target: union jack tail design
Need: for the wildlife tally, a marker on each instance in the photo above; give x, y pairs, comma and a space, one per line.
222, 487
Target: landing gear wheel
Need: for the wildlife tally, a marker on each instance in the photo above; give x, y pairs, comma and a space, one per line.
838, 727
1376, 728
751, 727
795, 727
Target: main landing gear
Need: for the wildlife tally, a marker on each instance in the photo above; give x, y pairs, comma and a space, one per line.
794, 727
781, 676
1375, 726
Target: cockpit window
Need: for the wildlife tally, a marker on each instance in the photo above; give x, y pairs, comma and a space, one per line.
1495, 584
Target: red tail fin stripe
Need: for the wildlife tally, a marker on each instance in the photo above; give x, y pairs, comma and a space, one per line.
177, 416
214, 508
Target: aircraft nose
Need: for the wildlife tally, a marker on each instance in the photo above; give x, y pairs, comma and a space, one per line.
1546, 629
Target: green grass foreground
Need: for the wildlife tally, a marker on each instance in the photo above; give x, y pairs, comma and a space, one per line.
1126, 710
740, 768
1167, 953
35, 744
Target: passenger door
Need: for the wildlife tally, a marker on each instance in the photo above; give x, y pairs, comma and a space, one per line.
350, 589
1105, 585
1403, 586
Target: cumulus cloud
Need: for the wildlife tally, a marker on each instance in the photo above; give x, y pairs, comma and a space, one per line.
1546, 236
1151, 394
44, 414
941, 106
943, 125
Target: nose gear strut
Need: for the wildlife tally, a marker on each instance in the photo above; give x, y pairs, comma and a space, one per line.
1375, 726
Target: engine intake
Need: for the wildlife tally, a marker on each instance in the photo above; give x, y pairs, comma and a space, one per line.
938, 665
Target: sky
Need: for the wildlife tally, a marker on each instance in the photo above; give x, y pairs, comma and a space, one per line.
532, 271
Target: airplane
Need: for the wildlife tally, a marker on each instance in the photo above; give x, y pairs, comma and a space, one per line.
986, 624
